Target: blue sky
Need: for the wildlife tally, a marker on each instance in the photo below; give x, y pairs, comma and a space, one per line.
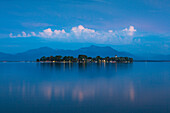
136, 26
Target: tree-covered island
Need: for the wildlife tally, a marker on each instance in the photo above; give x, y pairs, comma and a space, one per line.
85, 59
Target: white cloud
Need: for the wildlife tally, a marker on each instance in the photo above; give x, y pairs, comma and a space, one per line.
82, 34
33, 34
28, 35
11, 35
130, 31
57, 32
23, 34
19, 35
46, 33
81, 30
110, 31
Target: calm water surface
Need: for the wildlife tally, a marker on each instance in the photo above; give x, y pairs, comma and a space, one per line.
78, 88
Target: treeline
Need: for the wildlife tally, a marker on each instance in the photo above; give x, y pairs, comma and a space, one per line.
84, 58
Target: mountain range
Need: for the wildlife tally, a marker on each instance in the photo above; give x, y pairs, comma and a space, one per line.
33, 54
93, 51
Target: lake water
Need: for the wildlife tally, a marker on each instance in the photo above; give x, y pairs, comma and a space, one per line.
85, 88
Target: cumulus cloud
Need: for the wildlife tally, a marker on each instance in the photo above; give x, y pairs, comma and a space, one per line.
130, 31
46, 33
82, 34
23, 34
110, 31
33, 33
80, 30
57, 32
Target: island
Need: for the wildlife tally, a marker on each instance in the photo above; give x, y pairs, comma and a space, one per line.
85, 59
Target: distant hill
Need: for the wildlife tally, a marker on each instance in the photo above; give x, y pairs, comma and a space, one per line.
101, 51
161, 57
5, 55
93, 51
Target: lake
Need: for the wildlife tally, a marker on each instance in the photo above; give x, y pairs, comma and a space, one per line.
140, 87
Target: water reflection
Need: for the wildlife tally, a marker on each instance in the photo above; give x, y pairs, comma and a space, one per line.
74, 91
105, 87
132, 92
89, 69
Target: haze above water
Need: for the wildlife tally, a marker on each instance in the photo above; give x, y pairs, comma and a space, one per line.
85, 88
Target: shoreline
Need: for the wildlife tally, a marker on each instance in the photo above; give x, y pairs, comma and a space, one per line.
87, 62
151, 61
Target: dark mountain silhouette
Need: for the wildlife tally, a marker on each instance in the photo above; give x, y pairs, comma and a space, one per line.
5, 55
93, 51
101, 51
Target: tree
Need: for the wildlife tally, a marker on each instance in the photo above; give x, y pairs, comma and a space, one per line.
98, 57
107, 58
48, 59
43, 58
65, 58
89, 57
82, 57
71, 58
51, 58
58, 58
75, 60
131, 59
126, 58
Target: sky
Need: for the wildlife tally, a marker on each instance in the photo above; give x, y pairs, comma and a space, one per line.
135, 26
